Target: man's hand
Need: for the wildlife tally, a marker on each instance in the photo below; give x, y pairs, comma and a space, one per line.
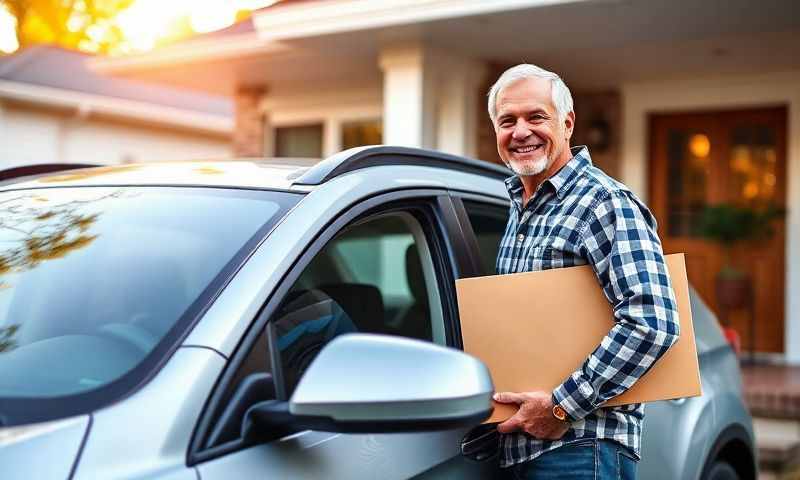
534, 417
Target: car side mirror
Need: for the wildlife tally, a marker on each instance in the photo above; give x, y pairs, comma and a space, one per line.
364, 383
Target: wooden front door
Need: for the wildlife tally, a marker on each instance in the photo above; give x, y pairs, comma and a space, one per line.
734, 157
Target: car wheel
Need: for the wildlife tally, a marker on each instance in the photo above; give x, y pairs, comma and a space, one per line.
721, 471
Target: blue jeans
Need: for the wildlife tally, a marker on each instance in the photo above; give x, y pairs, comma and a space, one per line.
584, 460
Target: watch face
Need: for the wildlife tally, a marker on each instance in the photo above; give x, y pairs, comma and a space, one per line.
559, 413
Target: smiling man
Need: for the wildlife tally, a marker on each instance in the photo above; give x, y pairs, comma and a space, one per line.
566, 212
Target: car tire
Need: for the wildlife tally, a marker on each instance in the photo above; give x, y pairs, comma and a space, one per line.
721, 470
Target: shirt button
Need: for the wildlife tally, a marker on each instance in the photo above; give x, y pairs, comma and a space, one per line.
520, 237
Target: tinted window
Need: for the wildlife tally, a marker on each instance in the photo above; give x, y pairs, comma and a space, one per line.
375, 277
92, 279
489, 223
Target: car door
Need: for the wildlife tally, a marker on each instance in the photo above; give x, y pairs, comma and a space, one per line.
387, 269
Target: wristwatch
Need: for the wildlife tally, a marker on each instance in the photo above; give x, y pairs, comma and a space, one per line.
559, 413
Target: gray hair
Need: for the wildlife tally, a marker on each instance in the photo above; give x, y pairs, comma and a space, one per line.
562, 98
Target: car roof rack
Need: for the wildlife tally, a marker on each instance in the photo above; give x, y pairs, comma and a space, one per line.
371, 156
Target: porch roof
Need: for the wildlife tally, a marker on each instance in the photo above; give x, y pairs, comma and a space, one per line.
594, 44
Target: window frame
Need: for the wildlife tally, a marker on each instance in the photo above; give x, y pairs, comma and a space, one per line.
432, 208
406, 212
469, 237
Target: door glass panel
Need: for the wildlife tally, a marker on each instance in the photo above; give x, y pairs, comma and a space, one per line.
374, 277
299, 142
489, 224
688, 165
356, 134
752, 163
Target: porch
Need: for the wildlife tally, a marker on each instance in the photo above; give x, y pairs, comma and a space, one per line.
772, 392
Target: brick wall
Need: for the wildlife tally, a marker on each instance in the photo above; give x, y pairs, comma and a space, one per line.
487, 146
248, 133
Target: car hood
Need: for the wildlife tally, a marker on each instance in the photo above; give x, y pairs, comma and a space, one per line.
42, 450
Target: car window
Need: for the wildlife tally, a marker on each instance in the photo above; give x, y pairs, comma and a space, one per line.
102, 275
489, 224
376, 276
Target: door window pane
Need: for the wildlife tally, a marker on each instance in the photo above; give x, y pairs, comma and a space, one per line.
688, 166
489, 224
356, 134
374, 277
752, 162
299, 142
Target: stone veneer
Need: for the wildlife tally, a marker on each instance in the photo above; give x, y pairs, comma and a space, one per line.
250, 124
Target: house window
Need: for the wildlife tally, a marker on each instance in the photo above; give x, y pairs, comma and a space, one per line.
300, 141
358, 133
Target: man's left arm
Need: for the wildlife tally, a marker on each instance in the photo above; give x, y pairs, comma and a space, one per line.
620, 242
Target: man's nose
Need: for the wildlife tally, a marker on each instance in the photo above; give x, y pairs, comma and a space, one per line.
521, 131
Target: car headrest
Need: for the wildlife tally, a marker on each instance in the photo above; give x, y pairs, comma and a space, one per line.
414, 275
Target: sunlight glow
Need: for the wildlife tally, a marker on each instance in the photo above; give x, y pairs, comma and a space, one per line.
8, 36
147, 21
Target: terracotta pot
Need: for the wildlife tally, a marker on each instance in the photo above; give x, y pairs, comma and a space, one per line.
733, 292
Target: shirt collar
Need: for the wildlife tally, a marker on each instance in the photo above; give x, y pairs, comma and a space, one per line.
562, 180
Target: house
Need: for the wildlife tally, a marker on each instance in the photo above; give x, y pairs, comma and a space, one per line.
54, 109
689, 103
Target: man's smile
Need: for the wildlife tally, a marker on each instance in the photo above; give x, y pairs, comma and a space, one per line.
527, 148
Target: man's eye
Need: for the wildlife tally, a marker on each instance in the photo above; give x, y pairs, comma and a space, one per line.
536, 117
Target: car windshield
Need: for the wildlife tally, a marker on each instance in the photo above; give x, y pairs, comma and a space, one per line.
93, 279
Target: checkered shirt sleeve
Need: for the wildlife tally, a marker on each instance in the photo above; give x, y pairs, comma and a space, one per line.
619, 240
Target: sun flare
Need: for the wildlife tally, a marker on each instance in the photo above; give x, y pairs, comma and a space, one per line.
149, 23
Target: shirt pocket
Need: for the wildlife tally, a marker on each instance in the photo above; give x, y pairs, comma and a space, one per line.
546, 258
539, 258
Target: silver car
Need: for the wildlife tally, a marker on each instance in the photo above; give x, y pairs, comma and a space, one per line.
256, 320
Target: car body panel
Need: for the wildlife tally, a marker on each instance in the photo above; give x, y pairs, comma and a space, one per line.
708, 334
147, 434
311, 454
51, 447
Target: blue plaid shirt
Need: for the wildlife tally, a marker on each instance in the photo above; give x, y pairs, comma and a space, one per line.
581, 215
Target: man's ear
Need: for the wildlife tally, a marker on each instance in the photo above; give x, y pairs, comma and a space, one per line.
569, 125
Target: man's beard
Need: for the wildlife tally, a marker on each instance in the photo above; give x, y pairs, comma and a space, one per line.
535, 167
531, 168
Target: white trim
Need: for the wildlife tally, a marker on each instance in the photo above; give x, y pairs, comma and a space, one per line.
85, 104
320, 18
641, 99
331, 109
312, 98
203, 50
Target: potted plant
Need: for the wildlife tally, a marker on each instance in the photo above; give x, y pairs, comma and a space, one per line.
728, 225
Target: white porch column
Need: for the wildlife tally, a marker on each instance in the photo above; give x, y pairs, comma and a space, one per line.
460, 106
409, 97
5, 154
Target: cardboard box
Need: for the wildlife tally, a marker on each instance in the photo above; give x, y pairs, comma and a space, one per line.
534, 329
